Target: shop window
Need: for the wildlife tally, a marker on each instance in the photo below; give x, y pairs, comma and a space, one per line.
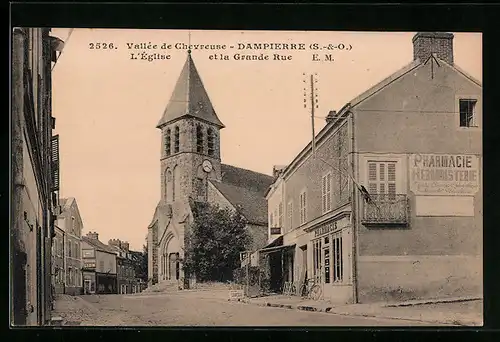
317, 258
303, 207
326, 192
338, 266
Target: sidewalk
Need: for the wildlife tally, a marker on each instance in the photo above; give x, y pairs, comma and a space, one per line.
465, 311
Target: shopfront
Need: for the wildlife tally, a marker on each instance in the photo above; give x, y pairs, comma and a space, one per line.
331, 251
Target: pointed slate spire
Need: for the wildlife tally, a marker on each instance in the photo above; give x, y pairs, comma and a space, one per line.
190, 98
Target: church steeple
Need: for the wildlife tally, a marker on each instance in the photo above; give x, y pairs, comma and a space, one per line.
190, 98
190, 152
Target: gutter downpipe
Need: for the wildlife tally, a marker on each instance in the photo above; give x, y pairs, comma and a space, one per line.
354, 214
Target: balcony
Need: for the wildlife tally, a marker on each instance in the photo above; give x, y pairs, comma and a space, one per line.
386, 210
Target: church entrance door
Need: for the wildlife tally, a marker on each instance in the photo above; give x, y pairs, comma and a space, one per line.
173, 266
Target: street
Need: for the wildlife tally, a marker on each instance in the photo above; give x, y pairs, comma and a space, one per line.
197, 308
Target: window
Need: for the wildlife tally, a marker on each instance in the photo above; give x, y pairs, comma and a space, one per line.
290, 214
70, 276
338, 266
101, 266
211, 144
271, 223
326, 192
199, 139
467, 113
280, 215
303, 207
68, 247
176, 139
382, 178
167, 142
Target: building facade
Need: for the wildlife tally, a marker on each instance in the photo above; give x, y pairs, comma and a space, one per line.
125, 267
58, 261
70, 223
35, 175
99, 266
390, 206
191, 172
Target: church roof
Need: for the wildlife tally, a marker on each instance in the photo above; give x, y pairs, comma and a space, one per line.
189, 98
247, 179
250, 203
245, 190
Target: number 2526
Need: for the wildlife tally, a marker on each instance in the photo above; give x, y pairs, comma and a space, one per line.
97, 46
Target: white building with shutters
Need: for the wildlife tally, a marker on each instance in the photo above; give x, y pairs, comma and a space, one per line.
390, 206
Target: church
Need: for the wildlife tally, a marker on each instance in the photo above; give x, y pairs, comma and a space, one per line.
192, 173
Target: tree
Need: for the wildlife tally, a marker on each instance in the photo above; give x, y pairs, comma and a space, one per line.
214, 243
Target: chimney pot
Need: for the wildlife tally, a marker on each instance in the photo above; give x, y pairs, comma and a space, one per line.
438, 44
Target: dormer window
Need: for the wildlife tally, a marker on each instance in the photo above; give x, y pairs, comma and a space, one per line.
211, 138
167, 142
176, 139
199, 139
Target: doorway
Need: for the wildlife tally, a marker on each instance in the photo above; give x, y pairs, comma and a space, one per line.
87, 286
173, 266
303, 269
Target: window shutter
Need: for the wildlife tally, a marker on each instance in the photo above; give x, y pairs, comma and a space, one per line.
391, 170
372, 178
55, 162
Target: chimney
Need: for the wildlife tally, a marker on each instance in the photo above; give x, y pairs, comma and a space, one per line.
277, 169
93, 236
114, 242
331, 116
427, 43
125, 245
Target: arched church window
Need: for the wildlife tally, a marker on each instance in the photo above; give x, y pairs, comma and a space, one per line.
169, 186
167, 142
211, 144
199, 139
176, 139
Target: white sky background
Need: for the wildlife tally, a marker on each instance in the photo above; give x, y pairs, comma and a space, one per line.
107, 107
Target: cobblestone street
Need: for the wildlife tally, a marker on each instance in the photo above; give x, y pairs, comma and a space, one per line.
196, 308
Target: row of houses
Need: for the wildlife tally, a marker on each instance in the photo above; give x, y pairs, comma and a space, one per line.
388, 205
35, 174
85, 265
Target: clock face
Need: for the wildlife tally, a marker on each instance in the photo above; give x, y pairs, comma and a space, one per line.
207, 166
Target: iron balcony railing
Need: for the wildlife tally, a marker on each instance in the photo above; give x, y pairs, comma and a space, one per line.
386, 209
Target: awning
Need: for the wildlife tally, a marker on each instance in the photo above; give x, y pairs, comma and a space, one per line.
275, 249
276, 242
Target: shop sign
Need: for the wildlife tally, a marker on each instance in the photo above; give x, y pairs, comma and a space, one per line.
330, 227
444, 174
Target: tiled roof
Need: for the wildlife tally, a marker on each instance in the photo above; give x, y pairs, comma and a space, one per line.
250, 180
66, 202
98, 245
252, 205
190, 98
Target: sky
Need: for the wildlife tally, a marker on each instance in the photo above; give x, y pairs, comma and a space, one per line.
107, 105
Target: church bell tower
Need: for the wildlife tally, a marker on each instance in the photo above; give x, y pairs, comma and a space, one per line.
190, 143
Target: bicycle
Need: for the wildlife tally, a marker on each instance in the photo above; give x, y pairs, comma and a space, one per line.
289, 288
311, 289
